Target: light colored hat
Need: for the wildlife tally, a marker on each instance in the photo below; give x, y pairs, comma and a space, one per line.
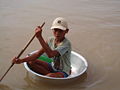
59, 23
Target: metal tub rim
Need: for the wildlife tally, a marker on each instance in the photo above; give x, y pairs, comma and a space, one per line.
69, 77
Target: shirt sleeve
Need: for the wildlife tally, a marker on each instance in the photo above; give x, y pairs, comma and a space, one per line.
63, 49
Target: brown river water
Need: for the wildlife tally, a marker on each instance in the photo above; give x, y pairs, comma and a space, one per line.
94, 33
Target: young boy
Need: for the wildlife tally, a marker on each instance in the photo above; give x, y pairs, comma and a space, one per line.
58, 48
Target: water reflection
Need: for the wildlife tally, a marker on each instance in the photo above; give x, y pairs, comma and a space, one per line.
4, 87
35, 83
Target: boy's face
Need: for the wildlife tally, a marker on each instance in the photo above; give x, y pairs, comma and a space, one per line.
59, 34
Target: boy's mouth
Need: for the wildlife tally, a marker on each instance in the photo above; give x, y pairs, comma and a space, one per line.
57, 36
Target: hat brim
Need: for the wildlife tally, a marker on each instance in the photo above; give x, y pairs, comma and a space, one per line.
59, 27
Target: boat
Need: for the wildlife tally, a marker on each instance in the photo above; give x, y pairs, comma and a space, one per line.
78, 63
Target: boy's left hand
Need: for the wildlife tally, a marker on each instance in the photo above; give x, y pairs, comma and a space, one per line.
17, 61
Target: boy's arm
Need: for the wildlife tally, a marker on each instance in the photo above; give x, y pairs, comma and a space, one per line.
34, 56
30, 58
47, 49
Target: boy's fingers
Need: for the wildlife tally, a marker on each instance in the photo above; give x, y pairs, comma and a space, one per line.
15, 60
39, 27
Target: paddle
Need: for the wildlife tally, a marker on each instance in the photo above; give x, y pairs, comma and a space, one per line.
21, 53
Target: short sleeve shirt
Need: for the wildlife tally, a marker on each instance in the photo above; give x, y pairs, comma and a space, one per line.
64, 49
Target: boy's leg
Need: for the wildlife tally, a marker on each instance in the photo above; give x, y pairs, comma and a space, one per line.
57, 75
39, 67
43, 63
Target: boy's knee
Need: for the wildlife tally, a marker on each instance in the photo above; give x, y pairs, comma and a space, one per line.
31, 62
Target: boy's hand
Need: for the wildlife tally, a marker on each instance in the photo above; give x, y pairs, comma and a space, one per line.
38, 32
17, 61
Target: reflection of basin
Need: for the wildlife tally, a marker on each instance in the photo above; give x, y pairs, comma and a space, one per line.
78, 63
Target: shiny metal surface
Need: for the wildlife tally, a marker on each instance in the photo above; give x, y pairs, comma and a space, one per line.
78, 63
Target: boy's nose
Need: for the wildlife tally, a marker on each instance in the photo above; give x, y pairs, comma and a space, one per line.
57, 32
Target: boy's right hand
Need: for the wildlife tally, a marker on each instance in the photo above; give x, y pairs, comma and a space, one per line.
17, 61
38, 32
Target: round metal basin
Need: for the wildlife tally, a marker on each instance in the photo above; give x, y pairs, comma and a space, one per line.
78, 63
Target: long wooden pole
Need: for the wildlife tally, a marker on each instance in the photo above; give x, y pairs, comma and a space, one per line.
20, 53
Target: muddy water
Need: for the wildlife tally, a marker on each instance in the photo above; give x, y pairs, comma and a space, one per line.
94, 33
